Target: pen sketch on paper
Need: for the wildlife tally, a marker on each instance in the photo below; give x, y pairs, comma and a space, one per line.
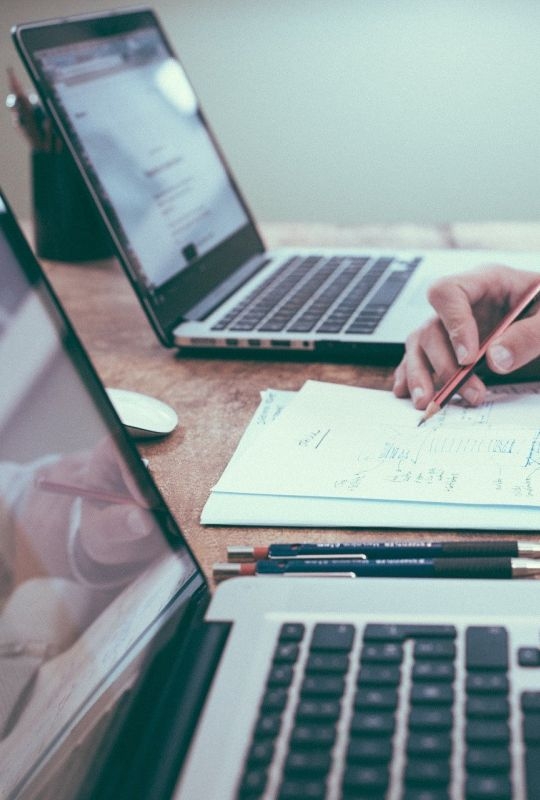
338, 441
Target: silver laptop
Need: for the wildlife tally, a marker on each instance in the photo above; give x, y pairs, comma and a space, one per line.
180, 226
121, 678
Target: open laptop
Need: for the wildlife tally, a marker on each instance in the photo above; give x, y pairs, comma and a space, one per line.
121, 678
180, 226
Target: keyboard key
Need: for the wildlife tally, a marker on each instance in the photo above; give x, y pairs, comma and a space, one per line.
487, 683
253, 783
307, 763
382, 653
435, 649
268, 725
532, 771
337, 663
430, 718
429, 744
313, 734
261, 753
378, 632
430, 631
484, 707
432, 694
280, 675
487, 759
529, 657
332, 637
371, 675
274, 700
364, 779
309, 710
487, 732
531, 728
372, 698
374, 723
486, 648
488, 787
286, 651
530, 701
433, 671
424, 771
369, 750
421, 793
307, 790
322, 686
291, 632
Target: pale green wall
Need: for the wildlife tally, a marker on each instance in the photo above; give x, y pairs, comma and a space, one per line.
351, 110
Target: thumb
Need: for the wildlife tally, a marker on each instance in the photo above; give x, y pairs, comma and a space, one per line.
519, 345
118, 534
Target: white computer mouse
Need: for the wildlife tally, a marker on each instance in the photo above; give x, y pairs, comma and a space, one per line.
144, 416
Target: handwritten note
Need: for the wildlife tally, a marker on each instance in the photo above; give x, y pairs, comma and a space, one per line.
334, 441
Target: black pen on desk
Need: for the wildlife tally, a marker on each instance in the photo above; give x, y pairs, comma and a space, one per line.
460, 376
386, 550
385, 568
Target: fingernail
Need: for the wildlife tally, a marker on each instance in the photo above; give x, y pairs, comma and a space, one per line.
470, 395
462, 354
501, 358
139, 522
417, 394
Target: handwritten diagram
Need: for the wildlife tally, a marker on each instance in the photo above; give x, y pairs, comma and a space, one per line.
340, 441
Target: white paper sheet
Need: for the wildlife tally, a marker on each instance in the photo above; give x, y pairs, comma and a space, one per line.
345, 456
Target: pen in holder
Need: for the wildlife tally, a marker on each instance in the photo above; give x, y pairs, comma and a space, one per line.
67, 225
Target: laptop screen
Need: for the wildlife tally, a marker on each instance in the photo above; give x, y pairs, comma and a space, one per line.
91, 563
125, 104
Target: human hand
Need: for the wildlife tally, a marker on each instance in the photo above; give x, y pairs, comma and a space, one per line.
115, 525
469, 306
117, 533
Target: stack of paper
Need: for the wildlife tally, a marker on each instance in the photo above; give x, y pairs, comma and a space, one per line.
332, 456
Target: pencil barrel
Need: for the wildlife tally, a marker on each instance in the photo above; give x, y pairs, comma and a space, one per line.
472, 568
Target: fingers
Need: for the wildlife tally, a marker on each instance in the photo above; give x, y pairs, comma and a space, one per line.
428, 363
119, 534
468, 308
107, 467
454, 306
470, 305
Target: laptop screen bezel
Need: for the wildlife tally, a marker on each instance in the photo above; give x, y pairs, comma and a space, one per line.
190, 285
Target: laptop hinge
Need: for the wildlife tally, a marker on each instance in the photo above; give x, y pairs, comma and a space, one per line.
225, 289
146, 757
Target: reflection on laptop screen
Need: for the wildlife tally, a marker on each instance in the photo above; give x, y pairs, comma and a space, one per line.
169, 188
86, 574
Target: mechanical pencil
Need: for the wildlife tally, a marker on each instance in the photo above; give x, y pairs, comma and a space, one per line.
387, 550
378, 568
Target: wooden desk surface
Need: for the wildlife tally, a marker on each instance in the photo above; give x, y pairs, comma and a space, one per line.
215, 398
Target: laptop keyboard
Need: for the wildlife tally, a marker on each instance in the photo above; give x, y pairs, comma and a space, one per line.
324, 295
395, 712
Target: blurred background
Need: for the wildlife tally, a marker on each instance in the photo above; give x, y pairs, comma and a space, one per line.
348, 111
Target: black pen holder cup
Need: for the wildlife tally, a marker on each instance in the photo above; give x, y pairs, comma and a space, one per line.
67, 225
